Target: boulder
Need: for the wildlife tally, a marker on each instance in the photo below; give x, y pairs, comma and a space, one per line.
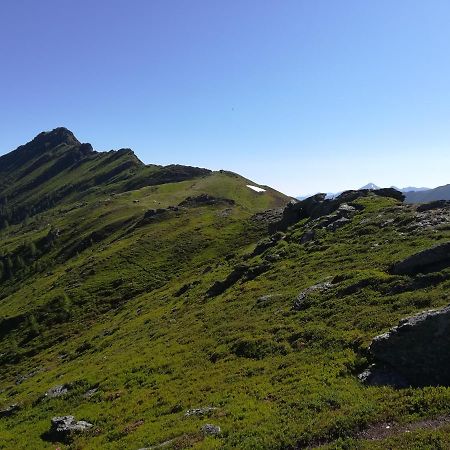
63, 428
415, 351
433, 259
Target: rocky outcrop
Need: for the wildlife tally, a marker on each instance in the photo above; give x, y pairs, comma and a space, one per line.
64, 428
206, 200
318, 205
240, 272
433, 259
414, 353
267, 243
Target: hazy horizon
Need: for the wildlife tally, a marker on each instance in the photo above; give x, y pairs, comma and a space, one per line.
301, 96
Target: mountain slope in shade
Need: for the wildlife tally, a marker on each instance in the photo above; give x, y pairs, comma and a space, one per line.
439, 193
412, 189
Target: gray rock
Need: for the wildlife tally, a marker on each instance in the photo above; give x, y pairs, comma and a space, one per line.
308, 236
10, 410
433, 259
57, 391
382, 376
64, 427
300, 301
333, 226
90, 393
200, 411
345, 210
210, 430
416, 350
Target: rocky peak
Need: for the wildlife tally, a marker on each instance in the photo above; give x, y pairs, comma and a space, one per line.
55, 137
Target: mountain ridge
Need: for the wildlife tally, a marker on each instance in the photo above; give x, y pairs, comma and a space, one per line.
54, 167
199, 313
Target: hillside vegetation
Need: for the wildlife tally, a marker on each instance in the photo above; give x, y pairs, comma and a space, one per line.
150, 301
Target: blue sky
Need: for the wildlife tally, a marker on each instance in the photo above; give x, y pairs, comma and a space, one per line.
305, 96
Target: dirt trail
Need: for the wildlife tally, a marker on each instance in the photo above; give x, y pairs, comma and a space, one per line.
384, 430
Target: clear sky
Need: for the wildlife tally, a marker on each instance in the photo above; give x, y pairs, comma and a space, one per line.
302, 95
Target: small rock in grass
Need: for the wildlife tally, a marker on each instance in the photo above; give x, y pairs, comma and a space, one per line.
10, 410
210, 430
199, 411
57, 391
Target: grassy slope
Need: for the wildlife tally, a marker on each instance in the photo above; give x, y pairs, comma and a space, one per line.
279, 378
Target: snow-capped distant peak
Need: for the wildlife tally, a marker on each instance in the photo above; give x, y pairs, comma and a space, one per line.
370, 186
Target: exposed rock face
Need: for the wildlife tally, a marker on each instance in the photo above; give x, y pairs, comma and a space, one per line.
318, 206
431, 260
413, 353
64, 427
266, 243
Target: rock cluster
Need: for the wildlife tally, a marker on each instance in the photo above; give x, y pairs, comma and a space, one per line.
318, 206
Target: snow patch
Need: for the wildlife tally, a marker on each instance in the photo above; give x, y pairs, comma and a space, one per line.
256, 188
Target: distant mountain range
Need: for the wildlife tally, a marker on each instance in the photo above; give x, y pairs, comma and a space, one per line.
429, 195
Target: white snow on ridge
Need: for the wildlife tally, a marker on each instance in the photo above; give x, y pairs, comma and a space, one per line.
256, 188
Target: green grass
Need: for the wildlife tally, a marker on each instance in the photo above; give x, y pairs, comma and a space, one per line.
278, 377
